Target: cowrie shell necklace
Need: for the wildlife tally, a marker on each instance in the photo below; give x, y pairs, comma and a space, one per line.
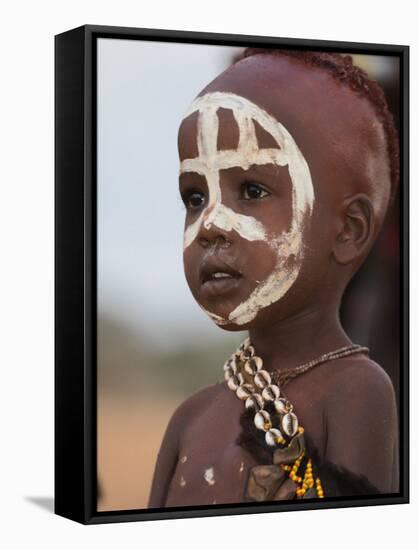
256, 386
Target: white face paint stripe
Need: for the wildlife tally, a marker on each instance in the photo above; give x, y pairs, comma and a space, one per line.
232, 159
248, 144
207, 132
209, 163
222, 216
276, 285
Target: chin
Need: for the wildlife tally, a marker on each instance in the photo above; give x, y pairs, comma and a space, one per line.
264, 319
232, 327
221, 320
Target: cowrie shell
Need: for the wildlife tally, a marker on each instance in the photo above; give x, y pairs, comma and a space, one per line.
254, 401
290, 424
243, 345
253, 365
262, 379
244, 391
248, 352
235, 381
270, 393
280, 406
228, 373
261, 419
271, 437
231, 365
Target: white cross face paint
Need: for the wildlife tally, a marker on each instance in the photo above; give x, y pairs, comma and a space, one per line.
211, 161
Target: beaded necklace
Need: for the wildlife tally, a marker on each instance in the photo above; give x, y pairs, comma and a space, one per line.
256, 386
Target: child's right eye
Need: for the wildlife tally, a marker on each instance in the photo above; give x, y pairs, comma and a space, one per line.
194, 199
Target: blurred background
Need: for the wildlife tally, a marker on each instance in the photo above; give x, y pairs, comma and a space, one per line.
155, 345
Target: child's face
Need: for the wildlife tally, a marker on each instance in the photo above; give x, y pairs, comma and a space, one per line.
245, 183
249, 196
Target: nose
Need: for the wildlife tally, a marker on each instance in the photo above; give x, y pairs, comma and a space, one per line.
211, 232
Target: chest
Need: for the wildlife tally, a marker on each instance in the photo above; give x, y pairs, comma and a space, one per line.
211, 467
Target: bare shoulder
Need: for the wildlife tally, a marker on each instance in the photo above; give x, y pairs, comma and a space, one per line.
364, 374
198, 401
360, 381
360, 416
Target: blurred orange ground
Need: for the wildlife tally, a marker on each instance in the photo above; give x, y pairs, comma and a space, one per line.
130, 431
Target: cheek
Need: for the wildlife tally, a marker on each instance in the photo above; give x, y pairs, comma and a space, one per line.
191, 266
258, 259
277, 215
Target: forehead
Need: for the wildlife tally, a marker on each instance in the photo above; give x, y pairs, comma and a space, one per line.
233, 117
228, 133
335, 129
257, 81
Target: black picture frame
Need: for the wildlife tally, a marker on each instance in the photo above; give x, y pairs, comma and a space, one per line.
75, 273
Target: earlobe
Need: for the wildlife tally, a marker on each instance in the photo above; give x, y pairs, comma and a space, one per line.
356, 231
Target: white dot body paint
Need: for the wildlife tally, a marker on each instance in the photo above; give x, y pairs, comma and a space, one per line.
209, 476
210, 161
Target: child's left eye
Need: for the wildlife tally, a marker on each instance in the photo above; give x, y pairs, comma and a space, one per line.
253, 191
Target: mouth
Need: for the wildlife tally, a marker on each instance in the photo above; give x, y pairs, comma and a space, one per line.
218, 278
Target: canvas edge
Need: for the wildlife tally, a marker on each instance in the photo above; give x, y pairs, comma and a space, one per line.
75, 273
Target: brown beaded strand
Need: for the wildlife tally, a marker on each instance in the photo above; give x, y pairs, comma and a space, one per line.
282, 377
308, 482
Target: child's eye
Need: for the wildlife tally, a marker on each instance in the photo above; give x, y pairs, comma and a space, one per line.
253, 191
193, 199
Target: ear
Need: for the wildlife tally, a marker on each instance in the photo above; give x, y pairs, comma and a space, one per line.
356, 229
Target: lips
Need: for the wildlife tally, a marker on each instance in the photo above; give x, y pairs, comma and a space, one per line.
218, 277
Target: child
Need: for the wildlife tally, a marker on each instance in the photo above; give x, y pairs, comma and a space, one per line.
288, 165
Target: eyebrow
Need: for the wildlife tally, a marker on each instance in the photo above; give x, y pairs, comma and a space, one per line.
189, 178
264, 168
271, 175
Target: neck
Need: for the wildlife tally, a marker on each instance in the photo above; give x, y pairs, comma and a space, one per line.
299, 339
